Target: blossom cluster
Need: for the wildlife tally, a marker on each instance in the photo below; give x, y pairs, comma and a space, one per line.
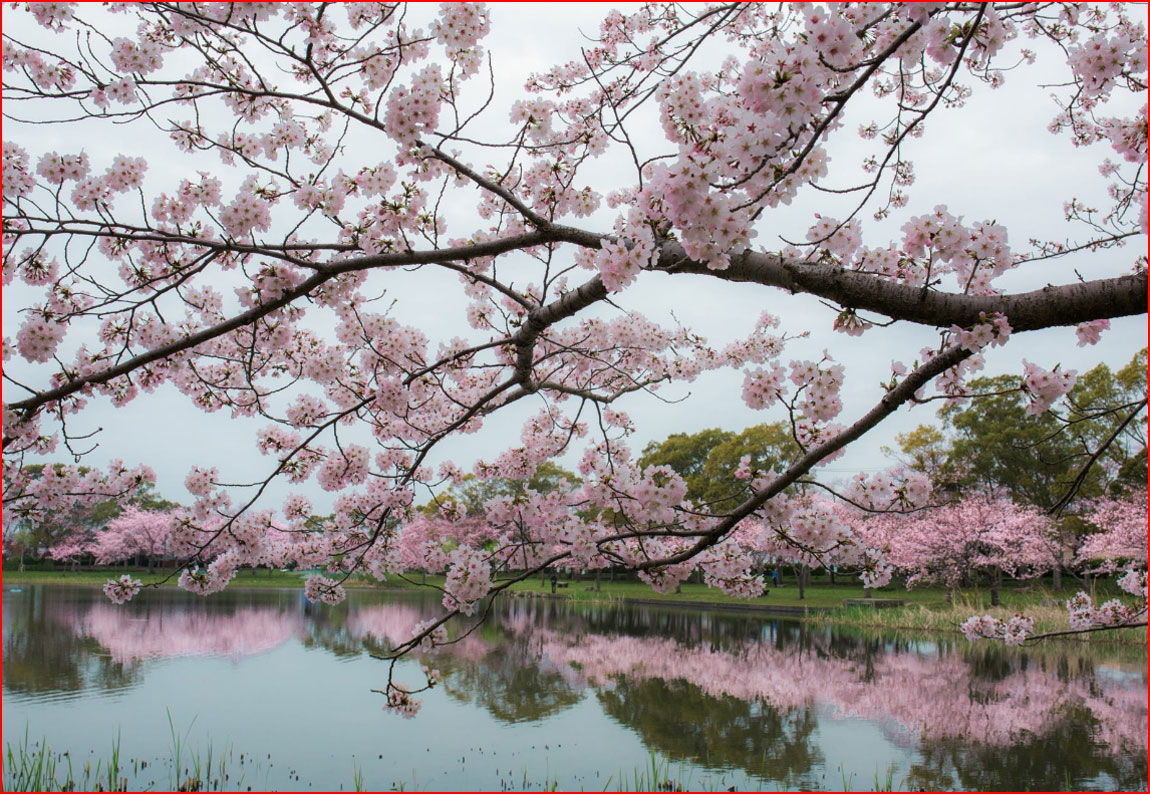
120, 591
1045, 387
1084, 615
468, 579
401, 702
322, 588
1011, 632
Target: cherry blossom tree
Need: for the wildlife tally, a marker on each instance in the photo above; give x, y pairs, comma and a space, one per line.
72, 547
320, 156
134, 533
973, 537
1120, 543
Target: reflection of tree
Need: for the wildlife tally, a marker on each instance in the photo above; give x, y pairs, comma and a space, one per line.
41, 658
327, 627
510, 682
685, 724
1068, 756
244, 632
924, 694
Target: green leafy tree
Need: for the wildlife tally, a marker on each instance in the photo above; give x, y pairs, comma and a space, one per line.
468, 498
770, 447
926, 449
1095, 438
148, 498
1105, 419
707, 460
687, 454
997, 446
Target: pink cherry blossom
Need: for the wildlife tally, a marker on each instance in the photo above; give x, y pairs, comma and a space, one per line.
284, 183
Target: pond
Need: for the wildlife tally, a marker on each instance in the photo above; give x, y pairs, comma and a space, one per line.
546, 692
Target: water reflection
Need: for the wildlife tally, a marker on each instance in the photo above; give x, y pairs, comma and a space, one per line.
719, 692
682, 721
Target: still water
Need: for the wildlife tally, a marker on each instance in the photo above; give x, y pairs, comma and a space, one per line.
546, 693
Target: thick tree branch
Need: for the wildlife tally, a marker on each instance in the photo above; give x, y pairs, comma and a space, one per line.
1067, 304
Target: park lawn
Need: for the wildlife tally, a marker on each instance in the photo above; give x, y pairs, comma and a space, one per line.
261, 578
819, 594
1016, 596
925, 608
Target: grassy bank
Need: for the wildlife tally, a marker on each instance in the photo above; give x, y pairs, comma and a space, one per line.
262, 578
925, 609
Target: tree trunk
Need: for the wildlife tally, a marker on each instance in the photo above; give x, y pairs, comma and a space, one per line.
802, 583
597, 585
832, 572
995, 583
1057, 576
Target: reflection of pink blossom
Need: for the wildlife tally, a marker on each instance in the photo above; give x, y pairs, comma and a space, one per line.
129, 637
912, 695
393, 623
915, 694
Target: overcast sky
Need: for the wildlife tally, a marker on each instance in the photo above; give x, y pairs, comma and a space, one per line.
991, 160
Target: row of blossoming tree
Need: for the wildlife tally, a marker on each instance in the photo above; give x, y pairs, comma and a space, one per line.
319, 154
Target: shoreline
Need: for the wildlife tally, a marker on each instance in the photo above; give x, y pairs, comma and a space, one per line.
920, 614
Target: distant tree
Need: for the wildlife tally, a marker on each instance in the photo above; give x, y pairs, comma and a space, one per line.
1120, 542
1094, 438
149, 498
1104, 416
471, 493
133, 534
998, 447
973, 537
707, 460
926, 449
687, 454
764, 448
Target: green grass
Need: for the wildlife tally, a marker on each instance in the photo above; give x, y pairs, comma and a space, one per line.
927, 609
261, 578
1036, 603
33, 766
